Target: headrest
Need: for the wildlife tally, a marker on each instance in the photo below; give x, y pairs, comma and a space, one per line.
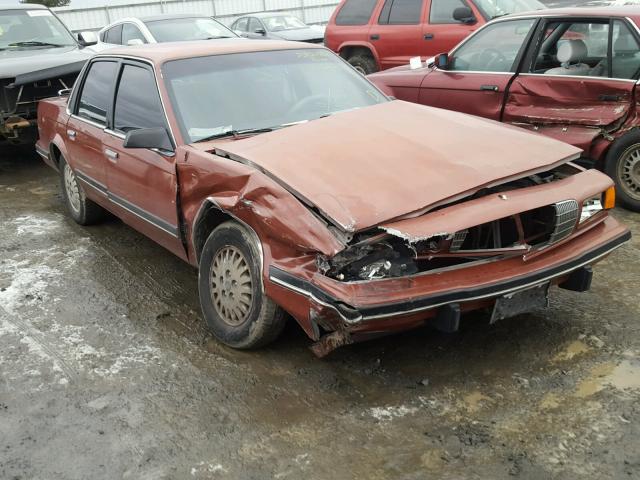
572, 51
625, 45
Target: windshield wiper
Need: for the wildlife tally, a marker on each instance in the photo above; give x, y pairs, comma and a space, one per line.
500, 15
237, 133
217, 37
34, 43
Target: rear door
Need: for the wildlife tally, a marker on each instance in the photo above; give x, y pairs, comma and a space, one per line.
85, 128
397, 32
578, 79
480, 70
441, 31
142, 183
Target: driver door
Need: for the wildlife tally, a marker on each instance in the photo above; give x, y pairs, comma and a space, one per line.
480, 70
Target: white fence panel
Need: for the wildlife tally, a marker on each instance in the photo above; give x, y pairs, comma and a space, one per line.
311, 11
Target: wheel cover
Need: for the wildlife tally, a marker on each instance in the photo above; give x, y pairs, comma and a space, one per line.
629, 171
72, 189
231, 285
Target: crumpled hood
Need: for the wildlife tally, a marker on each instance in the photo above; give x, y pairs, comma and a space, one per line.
25, 64
375, 164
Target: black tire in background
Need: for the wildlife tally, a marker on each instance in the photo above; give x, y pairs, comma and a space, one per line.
234, 305
363, 62
81, 209
622, 164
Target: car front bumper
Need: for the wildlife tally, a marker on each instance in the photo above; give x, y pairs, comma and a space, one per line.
402, 303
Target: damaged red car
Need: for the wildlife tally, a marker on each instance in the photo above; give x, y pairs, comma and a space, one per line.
297, 187
569, 74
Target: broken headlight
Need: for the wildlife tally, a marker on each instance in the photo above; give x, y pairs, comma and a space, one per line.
590, 207
596, 204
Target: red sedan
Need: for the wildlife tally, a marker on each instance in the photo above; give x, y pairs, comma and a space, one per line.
570, 74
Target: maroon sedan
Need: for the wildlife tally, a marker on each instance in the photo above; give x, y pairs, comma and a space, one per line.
570, 74
296, 186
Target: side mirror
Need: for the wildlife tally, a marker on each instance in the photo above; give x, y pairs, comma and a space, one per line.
86, 39
442, 61
260, 31
464, 15
134, 41
150, 138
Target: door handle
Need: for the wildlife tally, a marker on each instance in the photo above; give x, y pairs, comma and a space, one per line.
609, 98
71, 134
489, 88
375, 36
111, 155
429, 36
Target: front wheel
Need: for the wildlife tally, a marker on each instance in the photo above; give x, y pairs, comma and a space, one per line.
232, 297
623, 165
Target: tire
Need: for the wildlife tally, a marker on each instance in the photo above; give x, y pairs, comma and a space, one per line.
622, 164
82, 210
363, 62
234, 305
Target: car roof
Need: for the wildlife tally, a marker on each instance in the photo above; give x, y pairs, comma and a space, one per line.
268, 14
631, 11
160, 53
24, 6
170, 16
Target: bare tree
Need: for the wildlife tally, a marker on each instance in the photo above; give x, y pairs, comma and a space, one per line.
49, 3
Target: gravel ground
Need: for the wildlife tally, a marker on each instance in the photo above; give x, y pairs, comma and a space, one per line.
107, 372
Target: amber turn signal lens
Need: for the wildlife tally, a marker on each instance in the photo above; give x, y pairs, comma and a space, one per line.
609, 200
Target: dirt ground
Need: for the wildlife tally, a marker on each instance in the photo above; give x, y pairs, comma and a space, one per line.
106, 372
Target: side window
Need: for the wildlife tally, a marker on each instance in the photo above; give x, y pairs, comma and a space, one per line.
137, 101
355, 12
401, 12
625, 61
96, 92
574, 48
254, 25
114, 35
442, 10
241, 24
494, 48
131, 32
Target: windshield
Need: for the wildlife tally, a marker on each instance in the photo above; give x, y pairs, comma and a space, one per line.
497, 8
218, 94
283, 22
181, 29
32, 29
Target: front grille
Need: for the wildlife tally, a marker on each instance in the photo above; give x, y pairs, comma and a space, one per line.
565, 220
537, 228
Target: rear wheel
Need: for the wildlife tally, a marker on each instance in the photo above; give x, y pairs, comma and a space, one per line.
232, 297
623, 165
81, 209
363, 62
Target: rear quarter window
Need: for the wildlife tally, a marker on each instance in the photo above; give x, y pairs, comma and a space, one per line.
356, 12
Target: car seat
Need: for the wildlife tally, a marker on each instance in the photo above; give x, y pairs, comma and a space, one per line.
570, 54
625, 56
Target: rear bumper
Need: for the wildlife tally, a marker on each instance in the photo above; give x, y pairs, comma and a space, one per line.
353, 307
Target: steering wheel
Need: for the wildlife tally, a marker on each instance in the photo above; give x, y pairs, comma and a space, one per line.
319, 101
489, 56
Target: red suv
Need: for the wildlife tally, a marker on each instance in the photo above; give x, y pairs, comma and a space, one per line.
375, 35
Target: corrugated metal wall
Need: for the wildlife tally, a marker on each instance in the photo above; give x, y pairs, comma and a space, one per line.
311, 11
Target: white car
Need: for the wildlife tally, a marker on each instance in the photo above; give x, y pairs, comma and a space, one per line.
161, 28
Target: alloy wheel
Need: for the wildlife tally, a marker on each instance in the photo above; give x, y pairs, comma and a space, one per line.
629, 171
231, 285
